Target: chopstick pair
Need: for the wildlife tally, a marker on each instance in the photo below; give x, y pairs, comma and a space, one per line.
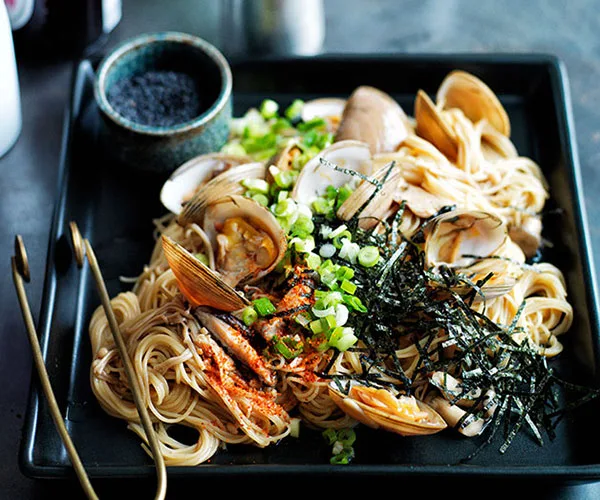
21, 274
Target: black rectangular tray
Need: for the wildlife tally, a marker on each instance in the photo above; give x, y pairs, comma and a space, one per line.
114, 208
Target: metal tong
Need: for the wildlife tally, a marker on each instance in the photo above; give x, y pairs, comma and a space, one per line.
21, 274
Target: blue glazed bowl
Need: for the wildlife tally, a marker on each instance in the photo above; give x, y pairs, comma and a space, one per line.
162, 149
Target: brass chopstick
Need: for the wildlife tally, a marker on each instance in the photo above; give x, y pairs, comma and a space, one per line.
21, 273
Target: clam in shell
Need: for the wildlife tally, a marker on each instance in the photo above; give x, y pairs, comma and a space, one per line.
329, 109
474, 98
198, 283
226, 183
464, 240
373, 206
379, 408
375, 118
316, 176
247, 239
431, 126
185, 180
460, 237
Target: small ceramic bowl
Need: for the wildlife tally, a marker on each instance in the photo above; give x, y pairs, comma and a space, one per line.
161, 149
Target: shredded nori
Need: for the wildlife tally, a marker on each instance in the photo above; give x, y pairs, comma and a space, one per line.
408, 304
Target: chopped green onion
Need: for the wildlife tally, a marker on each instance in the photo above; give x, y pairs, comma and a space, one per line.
341, 315
349, 251
269, 108
355, 303
303, 245
330, 435
265, 154
312, 260
295, 427
303, 226
264, 306
285, 178
326, 251
288, 348
328, 322
257, 185
321, 313
294, 111
303, 319
344, 273
285, 208
316, 326
316, 122
261, 199
346, 341
343, 193
280, 124
300, 160
234, 148
348, 287
328, 278
338, 231
368, 256
341, 442
338, 240
346, 436
322, 206
249, 315
325, 140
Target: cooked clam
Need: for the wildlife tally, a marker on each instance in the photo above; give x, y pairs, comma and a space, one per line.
198, 283
375, 118
185, 180
247, 239
465, 240
460, 237
474, 98
316, 175
379, 408
419, 201
226, 183
330, 109
373, 206
528, 235
431, 125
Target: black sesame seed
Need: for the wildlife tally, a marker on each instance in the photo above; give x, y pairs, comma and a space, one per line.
157, 98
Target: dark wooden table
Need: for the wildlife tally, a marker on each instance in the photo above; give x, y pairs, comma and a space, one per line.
28, 172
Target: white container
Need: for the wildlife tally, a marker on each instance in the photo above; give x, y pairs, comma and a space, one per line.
10, 100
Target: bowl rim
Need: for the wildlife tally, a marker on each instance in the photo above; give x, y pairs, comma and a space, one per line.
132, 44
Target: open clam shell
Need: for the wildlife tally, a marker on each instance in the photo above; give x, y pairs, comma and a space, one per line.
284, 158
185, 180
379, 408
430, 125
464, 240
248, 240
226, 183
373, 211
315, 176
474, 98
375, 118
460, 237
198, 284
330, 109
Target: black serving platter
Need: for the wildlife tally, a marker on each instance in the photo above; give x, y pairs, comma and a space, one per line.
114, 208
